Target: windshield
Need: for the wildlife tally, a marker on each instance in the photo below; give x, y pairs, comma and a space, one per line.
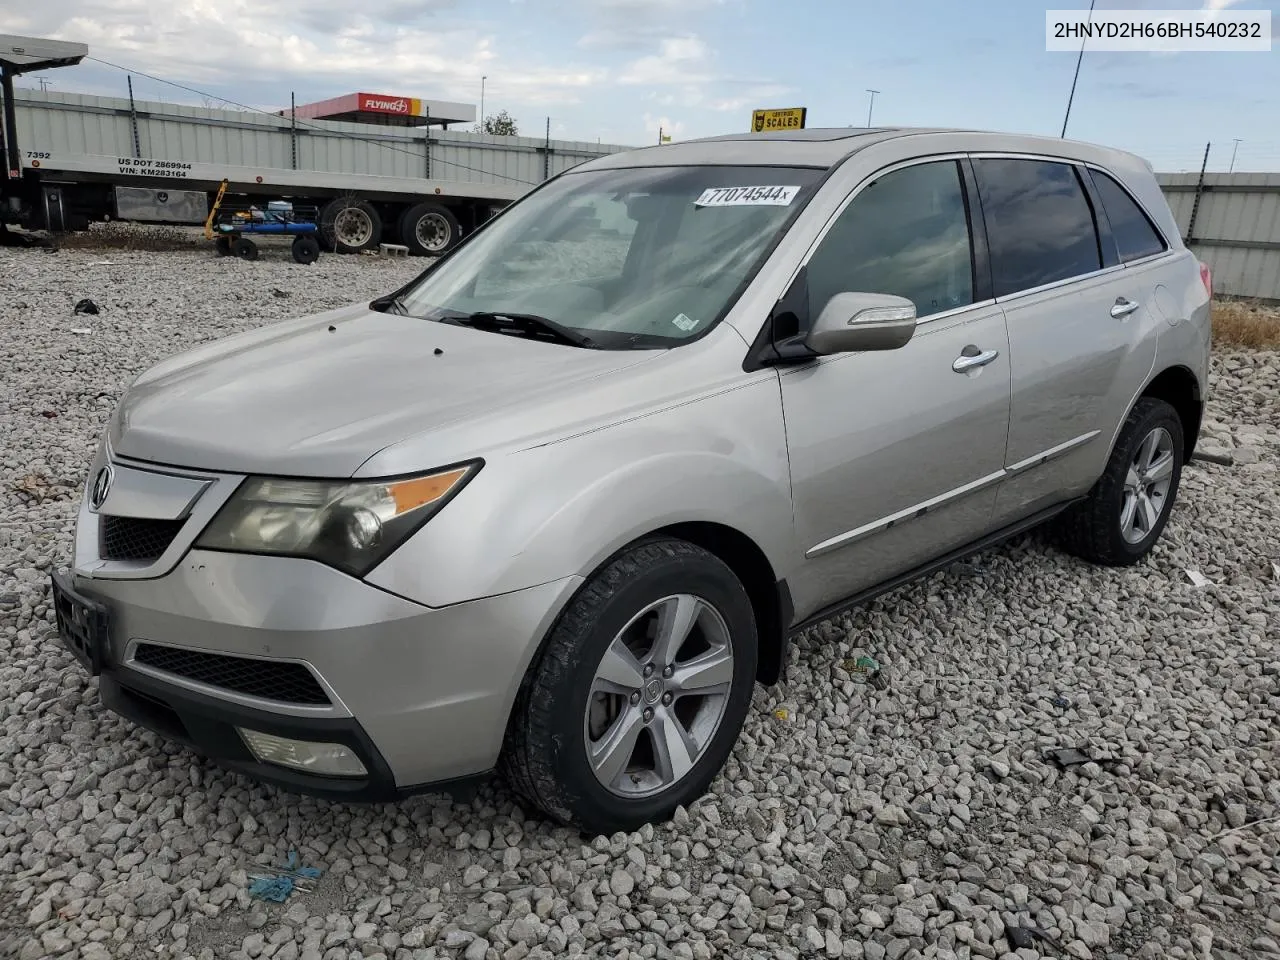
647, 257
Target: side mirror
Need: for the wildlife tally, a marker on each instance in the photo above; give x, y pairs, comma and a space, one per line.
852, 322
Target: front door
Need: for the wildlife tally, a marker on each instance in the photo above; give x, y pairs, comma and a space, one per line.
895, 455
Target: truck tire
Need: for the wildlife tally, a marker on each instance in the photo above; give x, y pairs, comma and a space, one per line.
350, 225
429, 229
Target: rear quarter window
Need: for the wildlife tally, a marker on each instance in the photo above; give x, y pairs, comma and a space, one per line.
1134, 233
1040, 225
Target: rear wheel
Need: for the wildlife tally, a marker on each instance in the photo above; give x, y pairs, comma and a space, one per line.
245, 249
305, 249
639, 696
429, 229
1127, 509
351, 225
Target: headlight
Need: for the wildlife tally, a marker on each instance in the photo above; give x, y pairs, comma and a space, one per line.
352, 525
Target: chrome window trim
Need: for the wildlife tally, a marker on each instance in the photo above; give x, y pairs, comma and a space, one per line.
335, 709
1152, 258
1032, 291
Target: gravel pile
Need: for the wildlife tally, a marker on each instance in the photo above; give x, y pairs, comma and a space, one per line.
920, 820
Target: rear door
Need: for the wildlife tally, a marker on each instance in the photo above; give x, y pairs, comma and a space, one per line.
1081, 334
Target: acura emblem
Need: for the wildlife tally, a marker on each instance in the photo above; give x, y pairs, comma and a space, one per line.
101, 487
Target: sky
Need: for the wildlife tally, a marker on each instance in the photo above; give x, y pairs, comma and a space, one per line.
621, 70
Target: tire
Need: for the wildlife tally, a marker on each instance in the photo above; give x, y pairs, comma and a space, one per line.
559, 712
1099, 528
429, 230
305, 249
222, 246
244, 248
350, 225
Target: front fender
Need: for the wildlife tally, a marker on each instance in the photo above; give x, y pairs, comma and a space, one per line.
561, 509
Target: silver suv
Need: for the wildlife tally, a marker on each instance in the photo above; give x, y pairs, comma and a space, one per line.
555, 506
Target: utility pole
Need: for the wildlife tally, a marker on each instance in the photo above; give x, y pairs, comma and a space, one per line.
871, 106
1231, 169
1079, 59
482, 80
44, 83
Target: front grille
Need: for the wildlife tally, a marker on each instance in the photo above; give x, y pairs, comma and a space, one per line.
268, 679
133, 538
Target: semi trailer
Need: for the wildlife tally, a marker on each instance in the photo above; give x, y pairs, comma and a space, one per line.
389, 171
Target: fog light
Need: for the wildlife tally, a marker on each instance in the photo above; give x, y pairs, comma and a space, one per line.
332, 759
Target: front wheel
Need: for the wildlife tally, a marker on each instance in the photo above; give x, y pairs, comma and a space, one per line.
639, 696
1127, 509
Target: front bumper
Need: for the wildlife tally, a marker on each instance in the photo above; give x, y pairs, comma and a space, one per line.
421, 695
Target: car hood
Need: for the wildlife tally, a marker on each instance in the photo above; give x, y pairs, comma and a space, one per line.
321, 395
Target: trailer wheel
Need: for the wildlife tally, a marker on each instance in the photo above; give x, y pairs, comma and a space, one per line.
351, 225
222, 246
429, 229
305, 249
245, 249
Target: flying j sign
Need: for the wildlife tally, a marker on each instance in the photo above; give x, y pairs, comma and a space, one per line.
380, 103
789, 118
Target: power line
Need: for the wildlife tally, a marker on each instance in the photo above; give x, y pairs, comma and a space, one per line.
312, 126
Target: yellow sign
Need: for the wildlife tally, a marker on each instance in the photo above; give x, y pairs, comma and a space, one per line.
789, 118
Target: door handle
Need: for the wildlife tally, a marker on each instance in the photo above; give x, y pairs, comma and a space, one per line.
967, 361
1123, 307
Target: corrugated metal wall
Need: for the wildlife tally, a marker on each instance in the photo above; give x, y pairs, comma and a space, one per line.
101, 126
1236, 228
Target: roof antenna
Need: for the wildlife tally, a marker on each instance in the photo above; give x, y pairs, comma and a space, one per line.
1080, 57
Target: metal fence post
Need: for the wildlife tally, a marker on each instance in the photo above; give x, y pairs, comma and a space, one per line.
1195, 204
426, 145
546, 153
293, 129
133, 118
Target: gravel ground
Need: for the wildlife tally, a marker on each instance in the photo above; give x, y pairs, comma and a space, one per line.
915, 821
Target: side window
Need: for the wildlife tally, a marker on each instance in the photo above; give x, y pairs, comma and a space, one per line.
1039, 223
1135, 236
905, 234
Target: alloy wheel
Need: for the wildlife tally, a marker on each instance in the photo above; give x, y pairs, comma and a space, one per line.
1146, 486
658, 696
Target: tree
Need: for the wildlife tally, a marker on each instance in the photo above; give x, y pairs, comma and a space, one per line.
500, 124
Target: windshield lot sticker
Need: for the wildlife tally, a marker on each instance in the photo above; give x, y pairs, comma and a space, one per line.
685, 323
746, 197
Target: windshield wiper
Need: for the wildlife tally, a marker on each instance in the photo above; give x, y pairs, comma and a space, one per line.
528, 322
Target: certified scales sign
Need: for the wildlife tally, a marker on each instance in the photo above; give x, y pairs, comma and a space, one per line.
788, 118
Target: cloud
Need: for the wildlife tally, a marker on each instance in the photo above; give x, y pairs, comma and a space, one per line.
663, 123
762, 96
322, 48
679, 60
1143, 91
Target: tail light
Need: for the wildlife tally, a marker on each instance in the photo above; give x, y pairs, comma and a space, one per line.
1206, 277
